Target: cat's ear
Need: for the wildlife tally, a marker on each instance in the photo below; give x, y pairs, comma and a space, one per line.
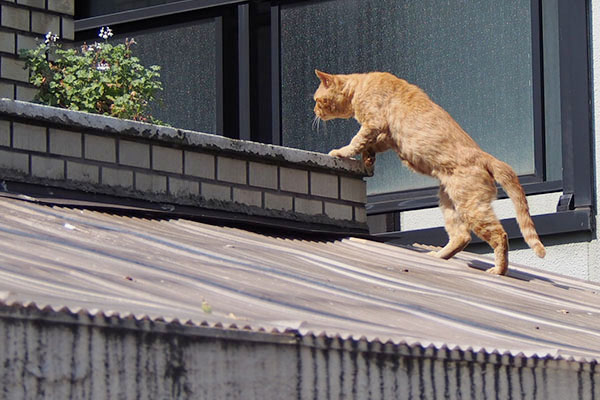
326, 79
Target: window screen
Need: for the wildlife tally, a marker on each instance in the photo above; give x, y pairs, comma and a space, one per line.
472, 57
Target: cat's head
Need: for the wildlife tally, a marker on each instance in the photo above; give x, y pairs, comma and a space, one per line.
331, 98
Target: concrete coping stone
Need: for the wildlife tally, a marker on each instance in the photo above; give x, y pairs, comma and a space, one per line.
186, 138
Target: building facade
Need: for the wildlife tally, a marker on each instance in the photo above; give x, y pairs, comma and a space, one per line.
144, 261
518, 77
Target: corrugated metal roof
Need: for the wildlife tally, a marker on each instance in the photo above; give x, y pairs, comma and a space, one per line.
98, 262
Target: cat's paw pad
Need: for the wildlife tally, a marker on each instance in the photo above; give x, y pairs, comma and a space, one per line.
369, 162
496, 271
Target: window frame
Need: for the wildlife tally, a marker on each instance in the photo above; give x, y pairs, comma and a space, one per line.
232, 50
535, 183
239, 47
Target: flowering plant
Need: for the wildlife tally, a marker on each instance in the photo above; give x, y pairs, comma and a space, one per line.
98, 78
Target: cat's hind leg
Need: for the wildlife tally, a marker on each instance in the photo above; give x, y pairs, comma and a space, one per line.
458, 231
489, 228
472, 192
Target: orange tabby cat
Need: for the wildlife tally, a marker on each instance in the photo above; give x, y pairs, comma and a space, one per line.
394, 114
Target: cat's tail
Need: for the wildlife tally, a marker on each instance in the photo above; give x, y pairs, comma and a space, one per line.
506, 176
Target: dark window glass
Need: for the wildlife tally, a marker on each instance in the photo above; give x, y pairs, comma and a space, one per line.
187, 56
474, 58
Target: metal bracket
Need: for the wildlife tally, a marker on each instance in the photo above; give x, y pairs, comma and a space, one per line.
566, 202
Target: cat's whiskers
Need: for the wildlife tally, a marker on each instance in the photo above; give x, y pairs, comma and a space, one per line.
316, 123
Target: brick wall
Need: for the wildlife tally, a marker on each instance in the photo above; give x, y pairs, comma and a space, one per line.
93, 153
21, 23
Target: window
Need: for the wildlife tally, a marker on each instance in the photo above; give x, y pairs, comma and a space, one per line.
514, 76
473, 58
192, 44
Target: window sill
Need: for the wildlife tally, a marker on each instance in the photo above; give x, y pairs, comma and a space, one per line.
428, 197
578, 220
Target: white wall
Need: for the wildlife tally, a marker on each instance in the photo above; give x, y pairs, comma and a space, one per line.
572, 254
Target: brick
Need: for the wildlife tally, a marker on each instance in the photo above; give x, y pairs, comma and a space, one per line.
353, 189
166, 159
263, 175
248, 197
46, 167
14, 69
5, 133
17, 18
308, 206
231, 170
29, 137
26, 93
62, 6
134, 154
360, 214
7, 42
293, 180
199, 164
83, 172
42, 22
325, 185
100, 148
183, 187
65, 143
278, 202
117, 177
67, 28
211, 191
7, 90
338, 211
14, 161
151, 183
26, 42
34, 3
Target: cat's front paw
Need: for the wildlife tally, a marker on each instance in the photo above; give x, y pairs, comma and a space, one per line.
336, 153
368, 159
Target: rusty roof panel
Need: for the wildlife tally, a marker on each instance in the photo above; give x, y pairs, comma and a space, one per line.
177, 269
